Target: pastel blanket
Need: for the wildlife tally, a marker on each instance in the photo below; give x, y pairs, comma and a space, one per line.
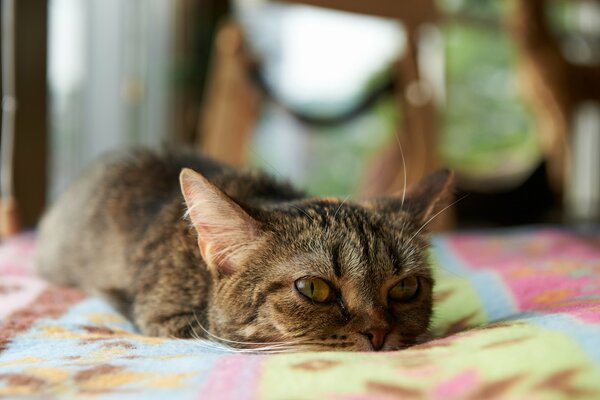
517, 316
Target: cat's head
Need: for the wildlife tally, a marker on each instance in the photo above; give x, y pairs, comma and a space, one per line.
317, 274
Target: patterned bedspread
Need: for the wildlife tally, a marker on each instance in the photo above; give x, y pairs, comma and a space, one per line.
517, 316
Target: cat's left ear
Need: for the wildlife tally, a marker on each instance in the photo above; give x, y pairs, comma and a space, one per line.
423, 200
226, 233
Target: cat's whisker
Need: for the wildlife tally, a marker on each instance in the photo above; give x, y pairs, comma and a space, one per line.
219, 349
268, 164
303, 211
195, 334
433, 217
207, 344
221, 339
201, 342
403, 170
284, 347
265, 350
294, 347
211, 345
340, 206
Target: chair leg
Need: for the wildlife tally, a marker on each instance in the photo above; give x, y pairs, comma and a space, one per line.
9, 221
414, 151
231, 107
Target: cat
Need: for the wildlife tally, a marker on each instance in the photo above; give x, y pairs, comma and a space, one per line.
187, 247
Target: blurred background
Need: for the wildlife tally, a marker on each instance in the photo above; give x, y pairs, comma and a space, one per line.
342, 97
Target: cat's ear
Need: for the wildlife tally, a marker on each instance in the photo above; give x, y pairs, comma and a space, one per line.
422, 200
430, 195
226, 233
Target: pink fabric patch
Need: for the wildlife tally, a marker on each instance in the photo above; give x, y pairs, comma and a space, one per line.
497, 251
17, 292
547, 270
233, 377
458, 386
16, 255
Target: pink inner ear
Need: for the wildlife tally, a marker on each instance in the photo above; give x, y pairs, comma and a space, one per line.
226, 232
222, 263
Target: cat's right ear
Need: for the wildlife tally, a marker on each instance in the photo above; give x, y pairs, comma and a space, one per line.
430, 195
421, 201
226, 233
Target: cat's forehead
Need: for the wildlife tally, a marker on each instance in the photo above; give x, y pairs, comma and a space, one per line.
348, 254
334, 213
343, 238
335, 220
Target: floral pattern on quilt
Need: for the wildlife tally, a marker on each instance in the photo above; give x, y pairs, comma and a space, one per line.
517, 316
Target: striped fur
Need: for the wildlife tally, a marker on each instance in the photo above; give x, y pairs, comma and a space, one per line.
122, 231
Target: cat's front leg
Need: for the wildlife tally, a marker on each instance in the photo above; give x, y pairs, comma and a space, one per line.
179, 325
157, 314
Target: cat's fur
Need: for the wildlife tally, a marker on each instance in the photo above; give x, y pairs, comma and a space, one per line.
229, 265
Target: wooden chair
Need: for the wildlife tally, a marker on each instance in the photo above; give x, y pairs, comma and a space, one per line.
232, 102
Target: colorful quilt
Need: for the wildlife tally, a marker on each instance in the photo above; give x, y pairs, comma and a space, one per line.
517, 316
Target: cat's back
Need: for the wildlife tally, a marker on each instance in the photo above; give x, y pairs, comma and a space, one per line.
125, 191
126, 188
121, 199
92, 224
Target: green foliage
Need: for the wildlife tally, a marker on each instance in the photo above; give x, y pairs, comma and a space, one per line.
485, 126
339, 156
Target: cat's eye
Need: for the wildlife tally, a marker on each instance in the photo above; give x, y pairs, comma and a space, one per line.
405, 290
315, 289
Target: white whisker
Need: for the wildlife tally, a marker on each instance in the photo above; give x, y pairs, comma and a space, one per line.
265, 345
268, 164
403, 170
216, 343
432, 218
340, 206
304, 212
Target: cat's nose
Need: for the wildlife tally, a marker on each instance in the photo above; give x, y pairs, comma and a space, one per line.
376, 336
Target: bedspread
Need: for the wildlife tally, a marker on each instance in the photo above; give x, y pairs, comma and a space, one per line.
517, 316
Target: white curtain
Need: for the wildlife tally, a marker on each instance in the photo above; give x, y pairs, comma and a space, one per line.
109, 79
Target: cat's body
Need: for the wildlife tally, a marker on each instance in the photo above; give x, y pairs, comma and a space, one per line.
253, 262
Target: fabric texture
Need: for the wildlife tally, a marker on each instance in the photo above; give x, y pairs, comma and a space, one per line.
517, 316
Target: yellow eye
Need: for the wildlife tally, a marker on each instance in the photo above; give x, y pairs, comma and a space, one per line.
315, 289
406, 290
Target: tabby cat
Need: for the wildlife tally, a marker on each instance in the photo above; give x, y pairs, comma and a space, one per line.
187, 247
